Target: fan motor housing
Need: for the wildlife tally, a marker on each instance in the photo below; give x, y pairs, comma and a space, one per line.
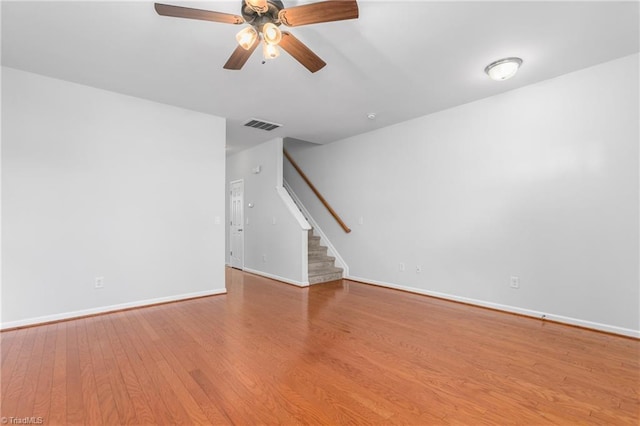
258, 20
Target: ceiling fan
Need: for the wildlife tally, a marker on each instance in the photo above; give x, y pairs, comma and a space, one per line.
264, 18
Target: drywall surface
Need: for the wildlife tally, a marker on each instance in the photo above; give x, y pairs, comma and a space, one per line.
97, 184
275, 242
540, 183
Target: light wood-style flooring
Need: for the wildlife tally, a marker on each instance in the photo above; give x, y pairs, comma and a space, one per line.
337, 353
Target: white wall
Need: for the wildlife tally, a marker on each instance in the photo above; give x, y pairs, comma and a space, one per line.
94, 184
275, 240
540, 183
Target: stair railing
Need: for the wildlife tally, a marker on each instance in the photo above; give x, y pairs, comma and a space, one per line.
315, 191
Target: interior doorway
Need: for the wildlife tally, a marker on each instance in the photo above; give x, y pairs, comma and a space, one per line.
236, 240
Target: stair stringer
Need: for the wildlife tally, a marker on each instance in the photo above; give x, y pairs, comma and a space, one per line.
331, 250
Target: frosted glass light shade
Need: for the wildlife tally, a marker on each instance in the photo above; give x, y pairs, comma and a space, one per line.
246, 37
503, 69
270, 51
271, 33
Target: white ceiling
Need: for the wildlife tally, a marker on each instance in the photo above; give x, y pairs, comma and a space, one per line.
400, 59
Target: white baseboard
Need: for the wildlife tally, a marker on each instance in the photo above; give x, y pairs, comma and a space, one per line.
277, 278
106, 309
506, 308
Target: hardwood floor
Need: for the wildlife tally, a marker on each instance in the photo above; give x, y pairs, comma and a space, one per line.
338, 353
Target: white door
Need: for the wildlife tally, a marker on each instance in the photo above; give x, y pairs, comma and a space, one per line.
237, 224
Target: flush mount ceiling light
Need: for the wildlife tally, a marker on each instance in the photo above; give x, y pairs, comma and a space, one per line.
264, 17
503, 69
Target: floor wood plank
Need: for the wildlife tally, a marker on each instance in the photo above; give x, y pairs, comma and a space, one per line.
42, 399
27, 396
335, 353
108, 411
58, 406
90, 402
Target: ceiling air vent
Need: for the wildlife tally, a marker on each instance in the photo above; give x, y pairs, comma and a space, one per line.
261, 124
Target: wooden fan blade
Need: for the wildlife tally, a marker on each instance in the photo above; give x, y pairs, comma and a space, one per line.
240, 56
326, 11
204, 15
301, 52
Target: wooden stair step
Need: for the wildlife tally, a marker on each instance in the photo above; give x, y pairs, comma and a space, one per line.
321, 259
314, 241
317, 251
330, 269
321, 264
321, 267
326, 277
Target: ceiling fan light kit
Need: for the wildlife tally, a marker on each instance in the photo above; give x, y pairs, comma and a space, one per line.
246, 37
503, 69
264, 17
270, 51
271, 33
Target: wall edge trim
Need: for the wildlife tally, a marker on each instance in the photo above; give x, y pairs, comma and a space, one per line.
107, 309
277, 277
612, 329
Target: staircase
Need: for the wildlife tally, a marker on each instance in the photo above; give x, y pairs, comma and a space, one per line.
321, 266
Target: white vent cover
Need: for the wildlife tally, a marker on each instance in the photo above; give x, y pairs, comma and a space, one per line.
256, 123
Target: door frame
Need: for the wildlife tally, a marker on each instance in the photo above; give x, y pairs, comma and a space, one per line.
241, 266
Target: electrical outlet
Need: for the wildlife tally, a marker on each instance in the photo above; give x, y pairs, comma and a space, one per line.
264, 258
361, 220
514, 282
418, 269
401, 267
99, 283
